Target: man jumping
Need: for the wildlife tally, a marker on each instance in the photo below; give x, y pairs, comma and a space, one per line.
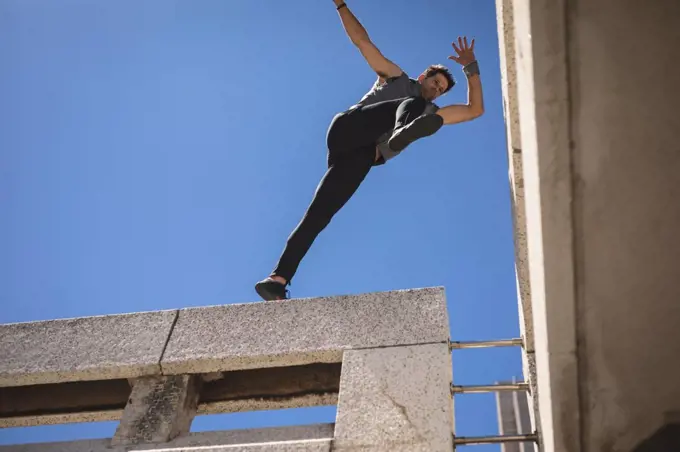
395, 112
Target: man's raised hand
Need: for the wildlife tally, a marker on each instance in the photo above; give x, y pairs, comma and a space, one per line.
466, 53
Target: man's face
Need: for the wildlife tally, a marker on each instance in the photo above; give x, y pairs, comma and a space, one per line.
433, 86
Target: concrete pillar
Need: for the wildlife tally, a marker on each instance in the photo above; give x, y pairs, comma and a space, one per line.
159, 409
396, 399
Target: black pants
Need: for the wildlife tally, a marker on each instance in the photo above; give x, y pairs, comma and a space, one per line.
351, 138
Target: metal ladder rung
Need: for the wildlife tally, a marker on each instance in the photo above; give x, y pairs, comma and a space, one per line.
483, 344
477, 440
478, 389
457, 389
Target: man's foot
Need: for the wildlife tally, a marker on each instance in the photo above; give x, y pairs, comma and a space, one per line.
422, 126
270, 289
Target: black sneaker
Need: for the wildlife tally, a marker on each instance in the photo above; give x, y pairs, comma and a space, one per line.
269, 290
422, 126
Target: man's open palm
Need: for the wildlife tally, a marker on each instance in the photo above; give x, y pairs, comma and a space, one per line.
466, 53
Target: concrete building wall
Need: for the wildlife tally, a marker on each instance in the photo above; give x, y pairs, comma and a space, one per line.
507, 41
624, 78
600, 130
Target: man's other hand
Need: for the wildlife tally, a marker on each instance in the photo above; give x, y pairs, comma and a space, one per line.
466, 53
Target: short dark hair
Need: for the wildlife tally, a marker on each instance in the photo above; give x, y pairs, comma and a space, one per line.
435, 69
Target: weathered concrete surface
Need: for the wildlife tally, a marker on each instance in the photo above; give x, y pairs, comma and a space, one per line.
271, 388
526, 323
160, 409
301, 331
396, 399
601, 158
88, 348
529, 371
508, 66
626, 130
242, 438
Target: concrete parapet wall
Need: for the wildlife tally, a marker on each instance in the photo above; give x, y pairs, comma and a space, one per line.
302, 331
218, 338
383, 357
86, 348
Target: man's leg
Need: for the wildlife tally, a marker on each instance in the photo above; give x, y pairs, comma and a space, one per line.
411, 124
351, 140
339, 183
365, 125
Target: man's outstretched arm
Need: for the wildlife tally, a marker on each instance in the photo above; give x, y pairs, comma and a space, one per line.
474, 108
359, 37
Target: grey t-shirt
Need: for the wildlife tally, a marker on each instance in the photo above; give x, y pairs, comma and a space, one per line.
393, 88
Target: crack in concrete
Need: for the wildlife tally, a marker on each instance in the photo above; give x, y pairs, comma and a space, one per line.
404, 411
167, 341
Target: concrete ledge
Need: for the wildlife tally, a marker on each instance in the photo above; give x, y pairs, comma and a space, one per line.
312, 445
260, 435
302, 331
218, 338
67, 418
298, 438
264, 404
87, 348
221, 392
56, 403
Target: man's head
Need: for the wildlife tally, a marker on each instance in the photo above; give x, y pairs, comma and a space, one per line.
435, 81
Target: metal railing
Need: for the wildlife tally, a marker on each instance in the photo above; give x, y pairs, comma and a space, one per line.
476, 440
485, 344
479, 389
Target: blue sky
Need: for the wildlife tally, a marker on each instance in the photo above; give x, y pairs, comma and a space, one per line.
156, 155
